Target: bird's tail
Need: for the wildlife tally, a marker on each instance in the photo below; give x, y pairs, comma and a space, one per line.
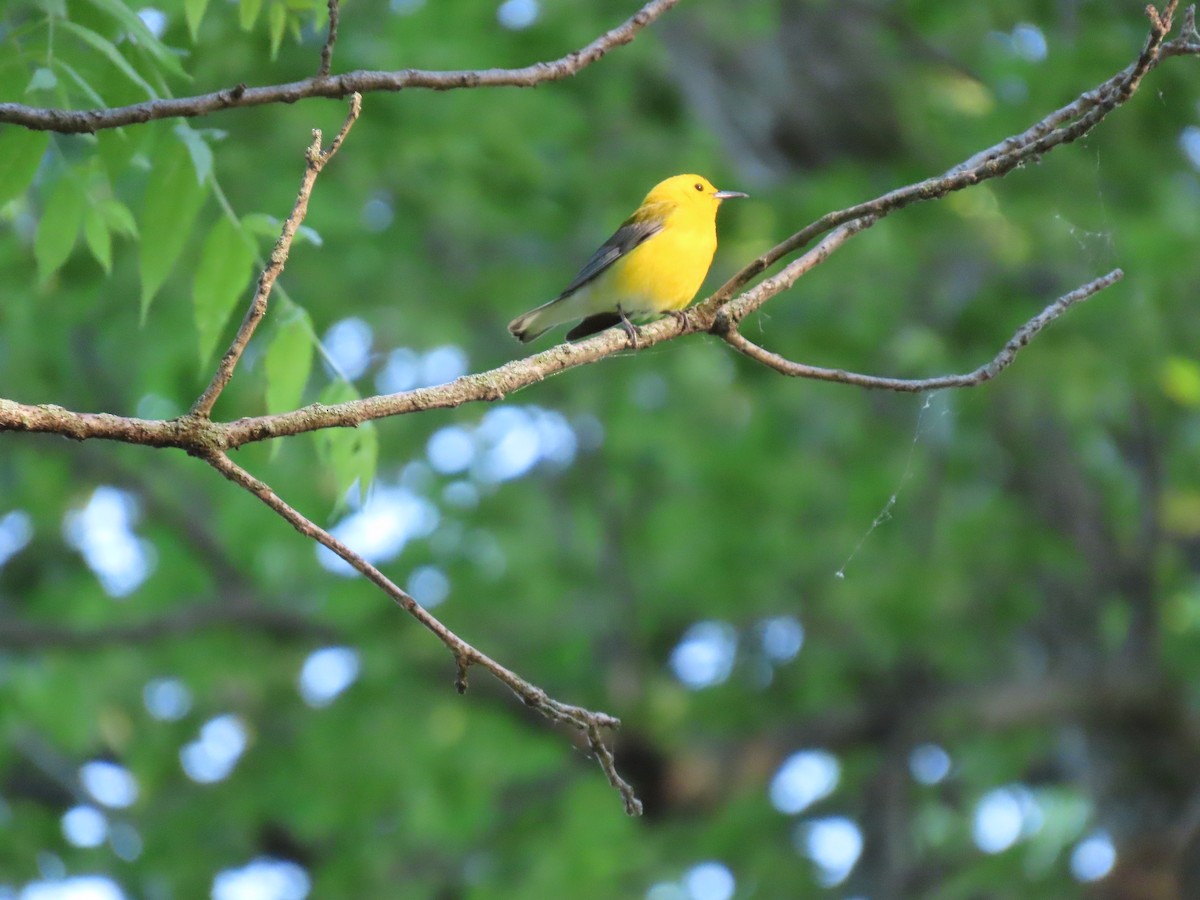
537, 322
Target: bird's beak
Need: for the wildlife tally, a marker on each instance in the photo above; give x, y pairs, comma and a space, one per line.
729, 195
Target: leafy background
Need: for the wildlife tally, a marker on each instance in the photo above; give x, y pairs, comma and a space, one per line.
863, 645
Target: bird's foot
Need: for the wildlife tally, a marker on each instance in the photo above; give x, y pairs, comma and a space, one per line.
630, 330
681, 316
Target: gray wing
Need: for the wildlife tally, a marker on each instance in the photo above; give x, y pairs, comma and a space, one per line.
631, 234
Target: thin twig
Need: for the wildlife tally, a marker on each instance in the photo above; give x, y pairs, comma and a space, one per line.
83, 121
1083, 114
21, 634
604, 756
730, 314
330, 40
465, 654
986, 372
315, 161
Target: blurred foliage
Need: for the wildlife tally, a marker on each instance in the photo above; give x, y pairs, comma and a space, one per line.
1009, 572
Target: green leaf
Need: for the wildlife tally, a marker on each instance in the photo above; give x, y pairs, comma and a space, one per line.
263, 225
117, 147
289, 361
118, 217
198, 149
1180, 380
226, 264
98, 238
83, 85
353, 457
276, 23
21, 152
193, 10
105, 47
248, 13
351, 454
142, 34
58, 227
43, 80
173, 199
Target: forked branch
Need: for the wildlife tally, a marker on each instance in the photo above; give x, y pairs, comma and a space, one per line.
986, 372
316, 161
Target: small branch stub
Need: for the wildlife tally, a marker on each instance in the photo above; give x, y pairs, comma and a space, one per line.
633, 806
460, 680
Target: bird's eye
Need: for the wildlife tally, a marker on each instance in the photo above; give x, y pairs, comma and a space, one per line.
699, 186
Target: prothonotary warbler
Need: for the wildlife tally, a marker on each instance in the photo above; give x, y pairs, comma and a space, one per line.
653, 264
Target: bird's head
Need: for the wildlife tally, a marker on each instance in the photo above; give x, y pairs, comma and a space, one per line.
694, 191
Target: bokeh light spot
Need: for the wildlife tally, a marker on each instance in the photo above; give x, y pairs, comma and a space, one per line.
84, 826
378, 212
834, 844
804, 778
998, 820
262, 879
154, 19
1029, 43
428, 585
348, 344
16, 530
442, 364
102, 533
110, 784
167, 699
399, 373
782, 638
709, 881
451, 450
1189, 140
326, 673
212, 757
83, 887
929, 763
1093, 857
518, 14
705, 655
391, 517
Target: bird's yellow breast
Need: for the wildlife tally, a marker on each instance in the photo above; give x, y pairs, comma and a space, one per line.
667, 270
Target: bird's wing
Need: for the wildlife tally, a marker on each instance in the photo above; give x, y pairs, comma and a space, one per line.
634, 231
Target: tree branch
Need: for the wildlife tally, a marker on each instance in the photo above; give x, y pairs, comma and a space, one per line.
465, 654
1083, 114
986, 372
198, 435
316, 161
65, 121
717, 314
21, 634
327, 50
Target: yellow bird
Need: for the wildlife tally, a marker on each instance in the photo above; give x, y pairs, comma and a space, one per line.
653, 264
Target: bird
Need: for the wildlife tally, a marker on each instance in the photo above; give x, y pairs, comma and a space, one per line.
653, 264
